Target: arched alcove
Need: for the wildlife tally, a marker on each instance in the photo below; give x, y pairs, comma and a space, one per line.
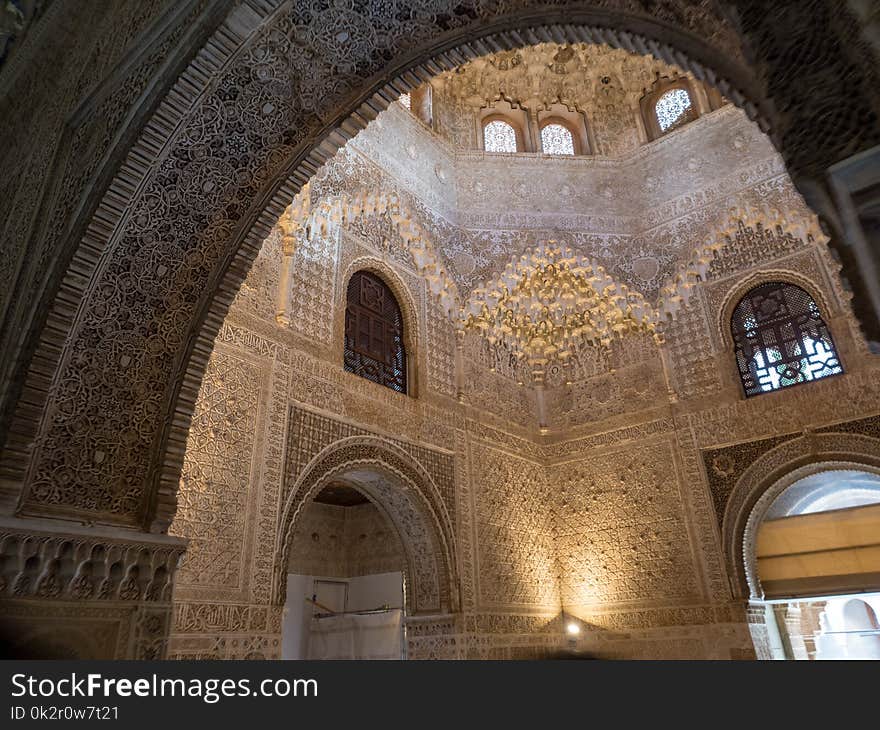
809, 543
347, 576
767, 478
402, 491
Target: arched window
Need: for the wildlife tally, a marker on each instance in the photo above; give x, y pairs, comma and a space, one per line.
673, 109
780, 339
556, 139
669, 104
499, 136
374, 332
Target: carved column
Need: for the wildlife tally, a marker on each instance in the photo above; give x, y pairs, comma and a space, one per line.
291, 228
534, 132
68, 591
794, 630
765, 631
282, 307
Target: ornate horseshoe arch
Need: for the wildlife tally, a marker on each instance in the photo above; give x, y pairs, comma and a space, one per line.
142, 300
767, 478
404, 493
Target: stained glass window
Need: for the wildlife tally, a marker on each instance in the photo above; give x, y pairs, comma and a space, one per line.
780, 339
673, 108
499, 136
406, 100
556, 140
374, 332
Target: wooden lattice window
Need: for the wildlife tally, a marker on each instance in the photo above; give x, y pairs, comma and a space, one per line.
780, 339
374, 346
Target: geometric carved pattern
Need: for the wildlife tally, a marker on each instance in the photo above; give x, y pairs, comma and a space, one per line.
688, 342
724, 466
441, 347
622, 535
311, 287
215, 491
515, 538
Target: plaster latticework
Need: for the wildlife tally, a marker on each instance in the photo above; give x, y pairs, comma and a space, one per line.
312, 288
441, 346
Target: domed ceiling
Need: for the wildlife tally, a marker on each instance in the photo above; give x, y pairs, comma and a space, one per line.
636, 207
603, 82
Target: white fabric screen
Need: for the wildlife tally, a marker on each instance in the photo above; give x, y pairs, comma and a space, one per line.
357, 636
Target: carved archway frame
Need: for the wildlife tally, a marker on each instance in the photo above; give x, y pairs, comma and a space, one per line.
186, 286
766, 478
408, 497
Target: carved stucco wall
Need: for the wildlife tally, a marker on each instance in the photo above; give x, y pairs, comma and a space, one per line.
345, 542
819, 59
609, 517
324, 89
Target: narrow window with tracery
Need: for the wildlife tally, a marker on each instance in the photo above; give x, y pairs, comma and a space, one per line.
780, 339
556, 140
374, 346
499, 136
673, 109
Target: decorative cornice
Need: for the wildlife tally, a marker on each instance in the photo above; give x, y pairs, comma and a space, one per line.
47, 559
